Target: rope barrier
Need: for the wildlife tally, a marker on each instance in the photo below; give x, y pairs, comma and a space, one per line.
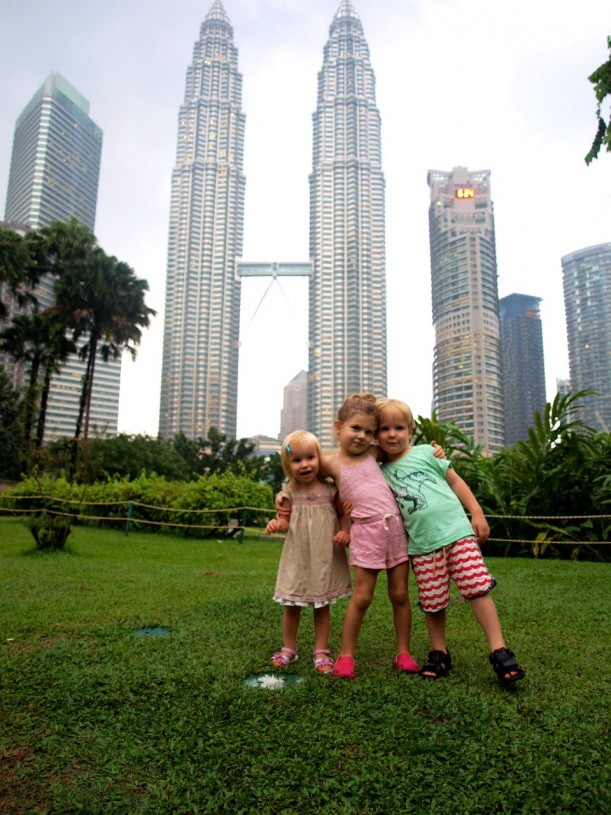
235, 528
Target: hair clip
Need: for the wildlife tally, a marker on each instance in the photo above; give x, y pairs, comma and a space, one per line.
287, 447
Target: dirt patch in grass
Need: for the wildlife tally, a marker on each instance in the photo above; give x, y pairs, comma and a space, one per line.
18, 795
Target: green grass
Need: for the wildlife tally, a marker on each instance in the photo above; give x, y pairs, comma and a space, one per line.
98, 721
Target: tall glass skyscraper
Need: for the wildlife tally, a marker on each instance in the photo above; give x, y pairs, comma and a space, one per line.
467, 385
199, 382
586, 276
347, 312
55, 167
522, 363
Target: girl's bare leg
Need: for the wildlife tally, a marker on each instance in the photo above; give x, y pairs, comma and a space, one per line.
436, 628
485, 613
362, 595
322, 626
290, 627
401, 609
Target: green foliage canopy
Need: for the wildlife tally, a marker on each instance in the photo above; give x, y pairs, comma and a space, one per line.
601, 79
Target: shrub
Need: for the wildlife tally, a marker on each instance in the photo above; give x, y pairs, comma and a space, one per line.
49, 531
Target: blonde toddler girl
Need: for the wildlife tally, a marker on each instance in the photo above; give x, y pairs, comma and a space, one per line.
313, 569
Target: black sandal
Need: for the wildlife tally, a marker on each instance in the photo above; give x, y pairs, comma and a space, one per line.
438, 664
503, 661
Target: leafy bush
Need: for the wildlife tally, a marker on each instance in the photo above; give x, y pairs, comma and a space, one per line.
49, 531
211, 501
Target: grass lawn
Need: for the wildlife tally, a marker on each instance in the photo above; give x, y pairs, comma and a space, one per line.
97, 720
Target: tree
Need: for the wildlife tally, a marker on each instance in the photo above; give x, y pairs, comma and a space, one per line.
10, 430
601, 79
39, 341
102, 301
17, 270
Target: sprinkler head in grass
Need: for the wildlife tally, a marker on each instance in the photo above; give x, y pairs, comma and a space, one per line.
272, 681
150, 631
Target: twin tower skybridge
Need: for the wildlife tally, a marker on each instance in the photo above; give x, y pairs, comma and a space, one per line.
273, 270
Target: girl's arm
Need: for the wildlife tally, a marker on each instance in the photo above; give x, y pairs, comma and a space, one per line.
343, 536
470, 503
281, 522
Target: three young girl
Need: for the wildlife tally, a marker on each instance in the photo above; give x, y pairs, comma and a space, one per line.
377, 537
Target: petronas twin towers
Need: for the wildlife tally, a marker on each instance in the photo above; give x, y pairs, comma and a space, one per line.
347, 297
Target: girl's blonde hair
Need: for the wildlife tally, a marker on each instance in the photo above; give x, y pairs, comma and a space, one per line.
358, 403
395, 406
293, 440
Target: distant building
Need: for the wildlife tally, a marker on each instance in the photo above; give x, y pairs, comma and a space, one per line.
467, 385
586, 276
347, 316
294, 414
55, 167
199, 378
264, 445
563, 386
522, 363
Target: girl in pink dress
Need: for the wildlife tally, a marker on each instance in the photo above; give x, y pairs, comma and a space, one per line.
377, 536
313, 569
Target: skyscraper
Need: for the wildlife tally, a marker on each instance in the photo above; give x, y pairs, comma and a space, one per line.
523, 364
55, 164
467, 385
294, 414
586, 276
347, 311
199, 381
54, 174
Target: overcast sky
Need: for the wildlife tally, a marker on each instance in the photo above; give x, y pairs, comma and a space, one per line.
476, 83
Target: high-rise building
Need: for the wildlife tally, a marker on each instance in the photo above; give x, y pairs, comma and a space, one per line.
523, 364
199, 383
586, 276
347, 312
54, 174
467, 385
294, 414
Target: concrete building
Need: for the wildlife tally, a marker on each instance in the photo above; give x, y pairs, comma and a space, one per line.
54, 172
199, 383
586, 276
294, 413
523, 363
347, 311
467, 385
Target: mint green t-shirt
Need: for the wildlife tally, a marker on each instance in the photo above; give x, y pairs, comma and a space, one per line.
433, 515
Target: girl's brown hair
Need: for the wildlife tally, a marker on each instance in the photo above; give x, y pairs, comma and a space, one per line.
358, 403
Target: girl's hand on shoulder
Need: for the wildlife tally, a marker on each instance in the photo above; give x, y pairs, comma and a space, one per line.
341, 538
438, 451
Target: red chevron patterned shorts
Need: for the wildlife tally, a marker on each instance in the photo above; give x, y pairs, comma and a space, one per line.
461, 562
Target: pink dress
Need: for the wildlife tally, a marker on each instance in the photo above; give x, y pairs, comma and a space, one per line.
313, 571
377, 538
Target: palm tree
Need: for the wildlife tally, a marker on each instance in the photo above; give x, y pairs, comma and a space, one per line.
38, 340
103, 301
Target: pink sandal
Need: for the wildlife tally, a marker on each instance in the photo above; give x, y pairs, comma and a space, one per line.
323, 664
344, 668
284, 657
405, 663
